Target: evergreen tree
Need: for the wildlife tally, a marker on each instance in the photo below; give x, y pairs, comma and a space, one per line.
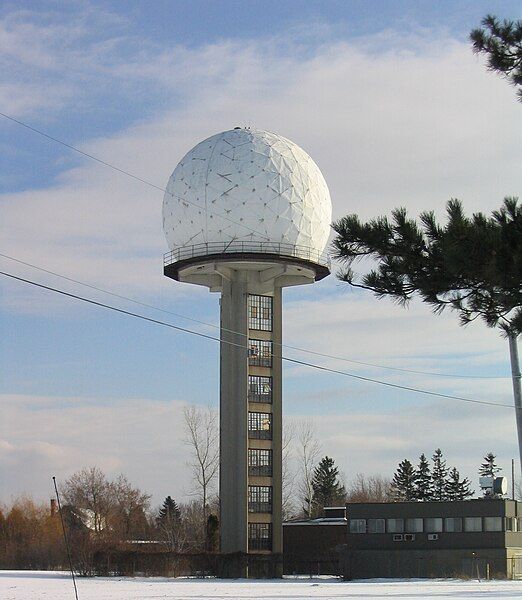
168, 522
439, 475
457, 489
423, 484
327, 488
501, 42
470, 264
403, 482
212, 533
169, 512
489, 468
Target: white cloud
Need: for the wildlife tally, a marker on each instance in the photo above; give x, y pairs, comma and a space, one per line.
45, 436
360, 327
388, 127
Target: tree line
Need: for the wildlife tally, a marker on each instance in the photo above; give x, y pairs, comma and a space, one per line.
438, 482
100, 514
103, 514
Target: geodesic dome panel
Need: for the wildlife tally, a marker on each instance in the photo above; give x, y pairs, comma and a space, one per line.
247, 185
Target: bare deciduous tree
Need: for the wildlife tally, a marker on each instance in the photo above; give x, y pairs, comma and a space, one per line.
113, 508
308, 454
372, 488
288, 474
90, 491
131, 506
202, 436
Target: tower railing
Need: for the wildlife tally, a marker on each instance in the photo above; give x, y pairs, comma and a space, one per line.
246, 247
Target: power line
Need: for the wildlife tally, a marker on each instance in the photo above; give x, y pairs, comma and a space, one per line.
124, 172
297, 348
162, 189
285, 358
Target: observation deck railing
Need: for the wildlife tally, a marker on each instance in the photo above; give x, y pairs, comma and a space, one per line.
246, 247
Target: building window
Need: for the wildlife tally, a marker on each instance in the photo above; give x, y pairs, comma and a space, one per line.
260, 353
511, 524
395, 525
259, 462
259, 389
453, 524
492, 523
376, 526
260, 536
260, 498
472, 523
414, 526
357, 525
433, 525
260, 312
259, 426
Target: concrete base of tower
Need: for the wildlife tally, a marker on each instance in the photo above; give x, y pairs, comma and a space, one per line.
240, 565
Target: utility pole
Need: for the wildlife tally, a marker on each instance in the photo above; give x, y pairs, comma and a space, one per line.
517, 391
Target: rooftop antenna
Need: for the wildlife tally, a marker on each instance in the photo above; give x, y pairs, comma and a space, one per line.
493, 487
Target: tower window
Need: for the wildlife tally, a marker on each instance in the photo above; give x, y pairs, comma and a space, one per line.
260, 353
259, 426
260, 312
260, 536
259, 462
260, 498
259, 389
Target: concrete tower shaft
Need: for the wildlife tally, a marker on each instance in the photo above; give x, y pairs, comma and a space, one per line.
250, 390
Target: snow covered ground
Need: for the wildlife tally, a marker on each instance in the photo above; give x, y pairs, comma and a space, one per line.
42, 585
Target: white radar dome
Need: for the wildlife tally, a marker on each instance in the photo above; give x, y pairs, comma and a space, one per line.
246, 185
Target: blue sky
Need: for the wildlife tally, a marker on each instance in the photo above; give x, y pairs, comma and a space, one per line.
389, 101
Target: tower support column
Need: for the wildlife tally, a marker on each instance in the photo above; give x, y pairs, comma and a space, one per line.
233, 415
277, 412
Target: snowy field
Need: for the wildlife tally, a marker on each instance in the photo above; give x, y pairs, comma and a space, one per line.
36, 585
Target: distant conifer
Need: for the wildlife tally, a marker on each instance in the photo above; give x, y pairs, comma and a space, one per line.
212, 533
422, 484
168, 523
439, 475
403, 482
169, 512
489, 468
457, 489
328, 490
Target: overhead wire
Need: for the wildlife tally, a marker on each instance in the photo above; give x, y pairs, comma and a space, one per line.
162, 189
213, 325
244, 346
124, 172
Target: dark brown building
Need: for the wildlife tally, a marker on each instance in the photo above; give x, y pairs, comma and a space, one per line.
312, 547
434, 539
472, 538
